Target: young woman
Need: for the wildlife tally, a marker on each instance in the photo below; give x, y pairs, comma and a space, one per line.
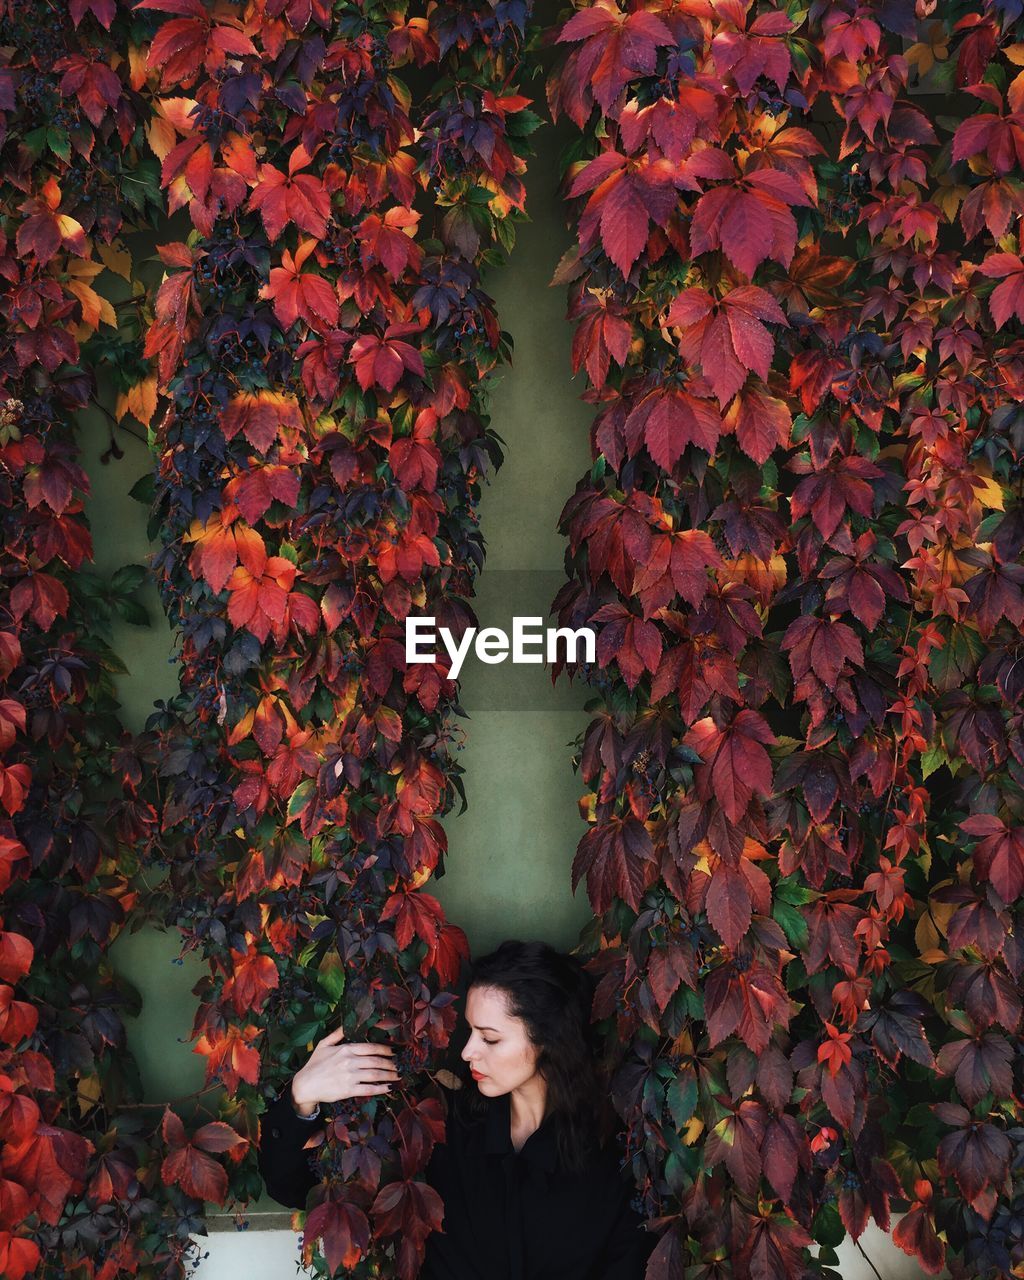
529, 1176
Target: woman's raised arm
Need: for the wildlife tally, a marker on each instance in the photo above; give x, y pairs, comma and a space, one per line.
334, 1072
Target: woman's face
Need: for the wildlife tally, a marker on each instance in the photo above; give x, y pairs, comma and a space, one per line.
499, 1050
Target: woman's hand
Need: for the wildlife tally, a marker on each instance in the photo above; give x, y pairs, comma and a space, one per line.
337, 1071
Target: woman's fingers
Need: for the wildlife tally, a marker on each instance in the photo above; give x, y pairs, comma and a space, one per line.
371, 1061
368, 1090
374, 1049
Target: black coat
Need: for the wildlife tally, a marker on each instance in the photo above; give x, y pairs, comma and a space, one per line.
507, 1215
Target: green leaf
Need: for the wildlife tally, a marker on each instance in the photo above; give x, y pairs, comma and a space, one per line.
331, 975
58, 142
34, 141
932, 759
305, 1033
522, 123
300, 798
942, 77
791, 922
675, 1174
828, 1227
132, 612
681, 1096
108, 659
458, 786
867, 442
792, 891
128, 578
622, 702
958, 658
144, 489
142, 185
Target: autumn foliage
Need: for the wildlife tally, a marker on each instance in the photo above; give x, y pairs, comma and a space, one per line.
77, 1147
310, 371
797, 295
797, 298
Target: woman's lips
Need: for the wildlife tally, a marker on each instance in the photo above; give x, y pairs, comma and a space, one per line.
477, 1075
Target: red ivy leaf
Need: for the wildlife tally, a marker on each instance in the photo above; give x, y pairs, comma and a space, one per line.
823, 648
979, 1066
761, 422
727, 338
668, 419
774, 1244
915, 1235
301, 295
94, 84
344, 1229
619, 536
827, 493
746, 55
678, 564
407, 1208
998, 855
189, 1167
784, 1150
632, 642
627, 195
16, 951
221, 544
104, 11
603, 334
751, 1003
381, 362
180, 48
735, 763
298, 198
977, 1154
1000, 137
255, 976
736, 1140
419, 915
419, 1127
253, 491
728, 904
50, 1160
617, 857
1007, 298
389, 240
673, 123
618, 47
42, 596
750, 220
15, 780
12, 722
45, 231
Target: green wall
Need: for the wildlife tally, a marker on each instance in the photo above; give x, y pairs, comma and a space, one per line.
507, 872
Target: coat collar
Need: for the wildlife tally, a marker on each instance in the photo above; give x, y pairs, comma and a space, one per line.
539, 1148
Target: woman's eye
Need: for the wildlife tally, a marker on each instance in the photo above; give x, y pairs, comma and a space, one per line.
489, 1041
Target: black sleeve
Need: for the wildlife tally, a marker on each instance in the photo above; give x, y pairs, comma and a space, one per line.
283, 1164
628, 1245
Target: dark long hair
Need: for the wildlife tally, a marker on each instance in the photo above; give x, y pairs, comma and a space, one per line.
552, 993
